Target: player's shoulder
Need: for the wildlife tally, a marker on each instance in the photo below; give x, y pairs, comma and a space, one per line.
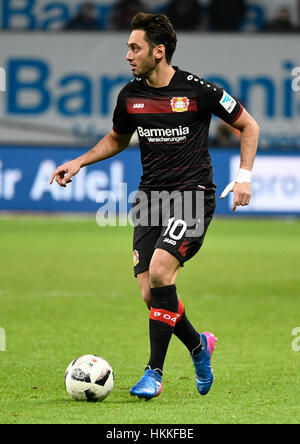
200, 84
133, 85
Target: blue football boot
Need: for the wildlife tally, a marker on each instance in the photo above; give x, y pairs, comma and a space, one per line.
202, 363
149, 386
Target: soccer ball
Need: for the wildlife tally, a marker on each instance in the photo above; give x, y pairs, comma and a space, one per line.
89, 378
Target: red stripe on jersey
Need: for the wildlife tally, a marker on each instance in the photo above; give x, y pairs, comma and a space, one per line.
168, 317
164, 105
238, 115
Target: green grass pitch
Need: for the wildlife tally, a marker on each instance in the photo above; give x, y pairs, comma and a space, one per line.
67, 289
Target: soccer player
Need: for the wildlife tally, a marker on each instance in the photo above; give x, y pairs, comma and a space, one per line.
171, 110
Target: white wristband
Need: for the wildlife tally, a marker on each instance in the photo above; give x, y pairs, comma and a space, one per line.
243, 176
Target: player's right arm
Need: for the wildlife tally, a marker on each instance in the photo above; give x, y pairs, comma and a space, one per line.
112, 144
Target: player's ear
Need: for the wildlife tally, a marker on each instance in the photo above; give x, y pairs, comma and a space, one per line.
159, 52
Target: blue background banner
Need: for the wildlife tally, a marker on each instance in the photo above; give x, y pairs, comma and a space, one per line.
25, 173
54, 97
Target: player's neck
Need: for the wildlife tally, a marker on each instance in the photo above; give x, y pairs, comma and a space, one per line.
161, 76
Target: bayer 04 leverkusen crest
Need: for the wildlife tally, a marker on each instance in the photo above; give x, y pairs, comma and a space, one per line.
180, 104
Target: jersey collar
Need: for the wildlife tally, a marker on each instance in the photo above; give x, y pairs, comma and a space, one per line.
172, 82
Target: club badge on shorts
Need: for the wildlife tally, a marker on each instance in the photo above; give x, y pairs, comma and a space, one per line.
136, 258
180, 104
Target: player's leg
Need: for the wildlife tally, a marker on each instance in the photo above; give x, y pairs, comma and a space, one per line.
144, 240
163, 271
166, 314
161, 276
161, 281
184, 330
183, 246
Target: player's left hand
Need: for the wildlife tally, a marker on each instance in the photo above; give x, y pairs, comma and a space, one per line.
241, 192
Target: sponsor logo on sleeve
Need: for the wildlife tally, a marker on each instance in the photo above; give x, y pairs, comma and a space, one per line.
228, 102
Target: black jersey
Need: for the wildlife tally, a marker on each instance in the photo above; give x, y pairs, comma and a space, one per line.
172, 124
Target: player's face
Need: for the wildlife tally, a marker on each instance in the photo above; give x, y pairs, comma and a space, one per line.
139, 56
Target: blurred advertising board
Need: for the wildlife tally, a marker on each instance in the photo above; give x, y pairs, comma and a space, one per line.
52, 15
68, 96
25, 173
275, 183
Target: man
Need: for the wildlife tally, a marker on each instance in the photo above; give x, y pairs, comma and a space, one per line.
171, 110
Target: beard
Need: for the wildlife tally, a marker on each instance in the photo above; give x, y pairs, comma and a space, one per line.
146, 67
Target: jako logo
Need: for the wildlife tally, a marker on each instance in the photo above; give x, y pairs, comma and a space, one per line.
2, 80
139, 105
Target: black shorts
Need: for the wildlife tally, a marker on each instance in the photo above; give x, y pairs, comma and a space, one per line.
168, 229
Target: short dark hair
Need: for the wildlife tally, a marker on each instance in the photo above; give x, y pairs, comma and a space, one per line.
159, 31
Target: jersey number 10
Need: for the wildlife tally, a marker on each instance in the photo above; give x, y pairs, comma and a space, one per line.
172, 227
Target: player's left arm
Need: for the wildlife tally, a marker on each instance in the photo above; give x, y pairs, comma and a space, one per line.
241, 186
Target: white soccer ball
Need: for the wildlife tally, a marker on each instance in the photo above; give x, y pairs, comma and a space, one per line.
89, 378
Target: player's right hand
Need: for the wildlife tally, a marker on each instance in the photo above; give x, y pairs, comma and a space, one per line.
241, 191
64, 172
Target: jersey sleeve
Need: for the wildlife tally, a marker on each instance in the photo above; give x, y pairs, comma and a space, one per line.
220, 103
122, 122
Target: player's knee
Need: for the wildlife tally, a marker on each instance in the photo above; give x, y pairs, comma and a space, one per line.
159, 276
